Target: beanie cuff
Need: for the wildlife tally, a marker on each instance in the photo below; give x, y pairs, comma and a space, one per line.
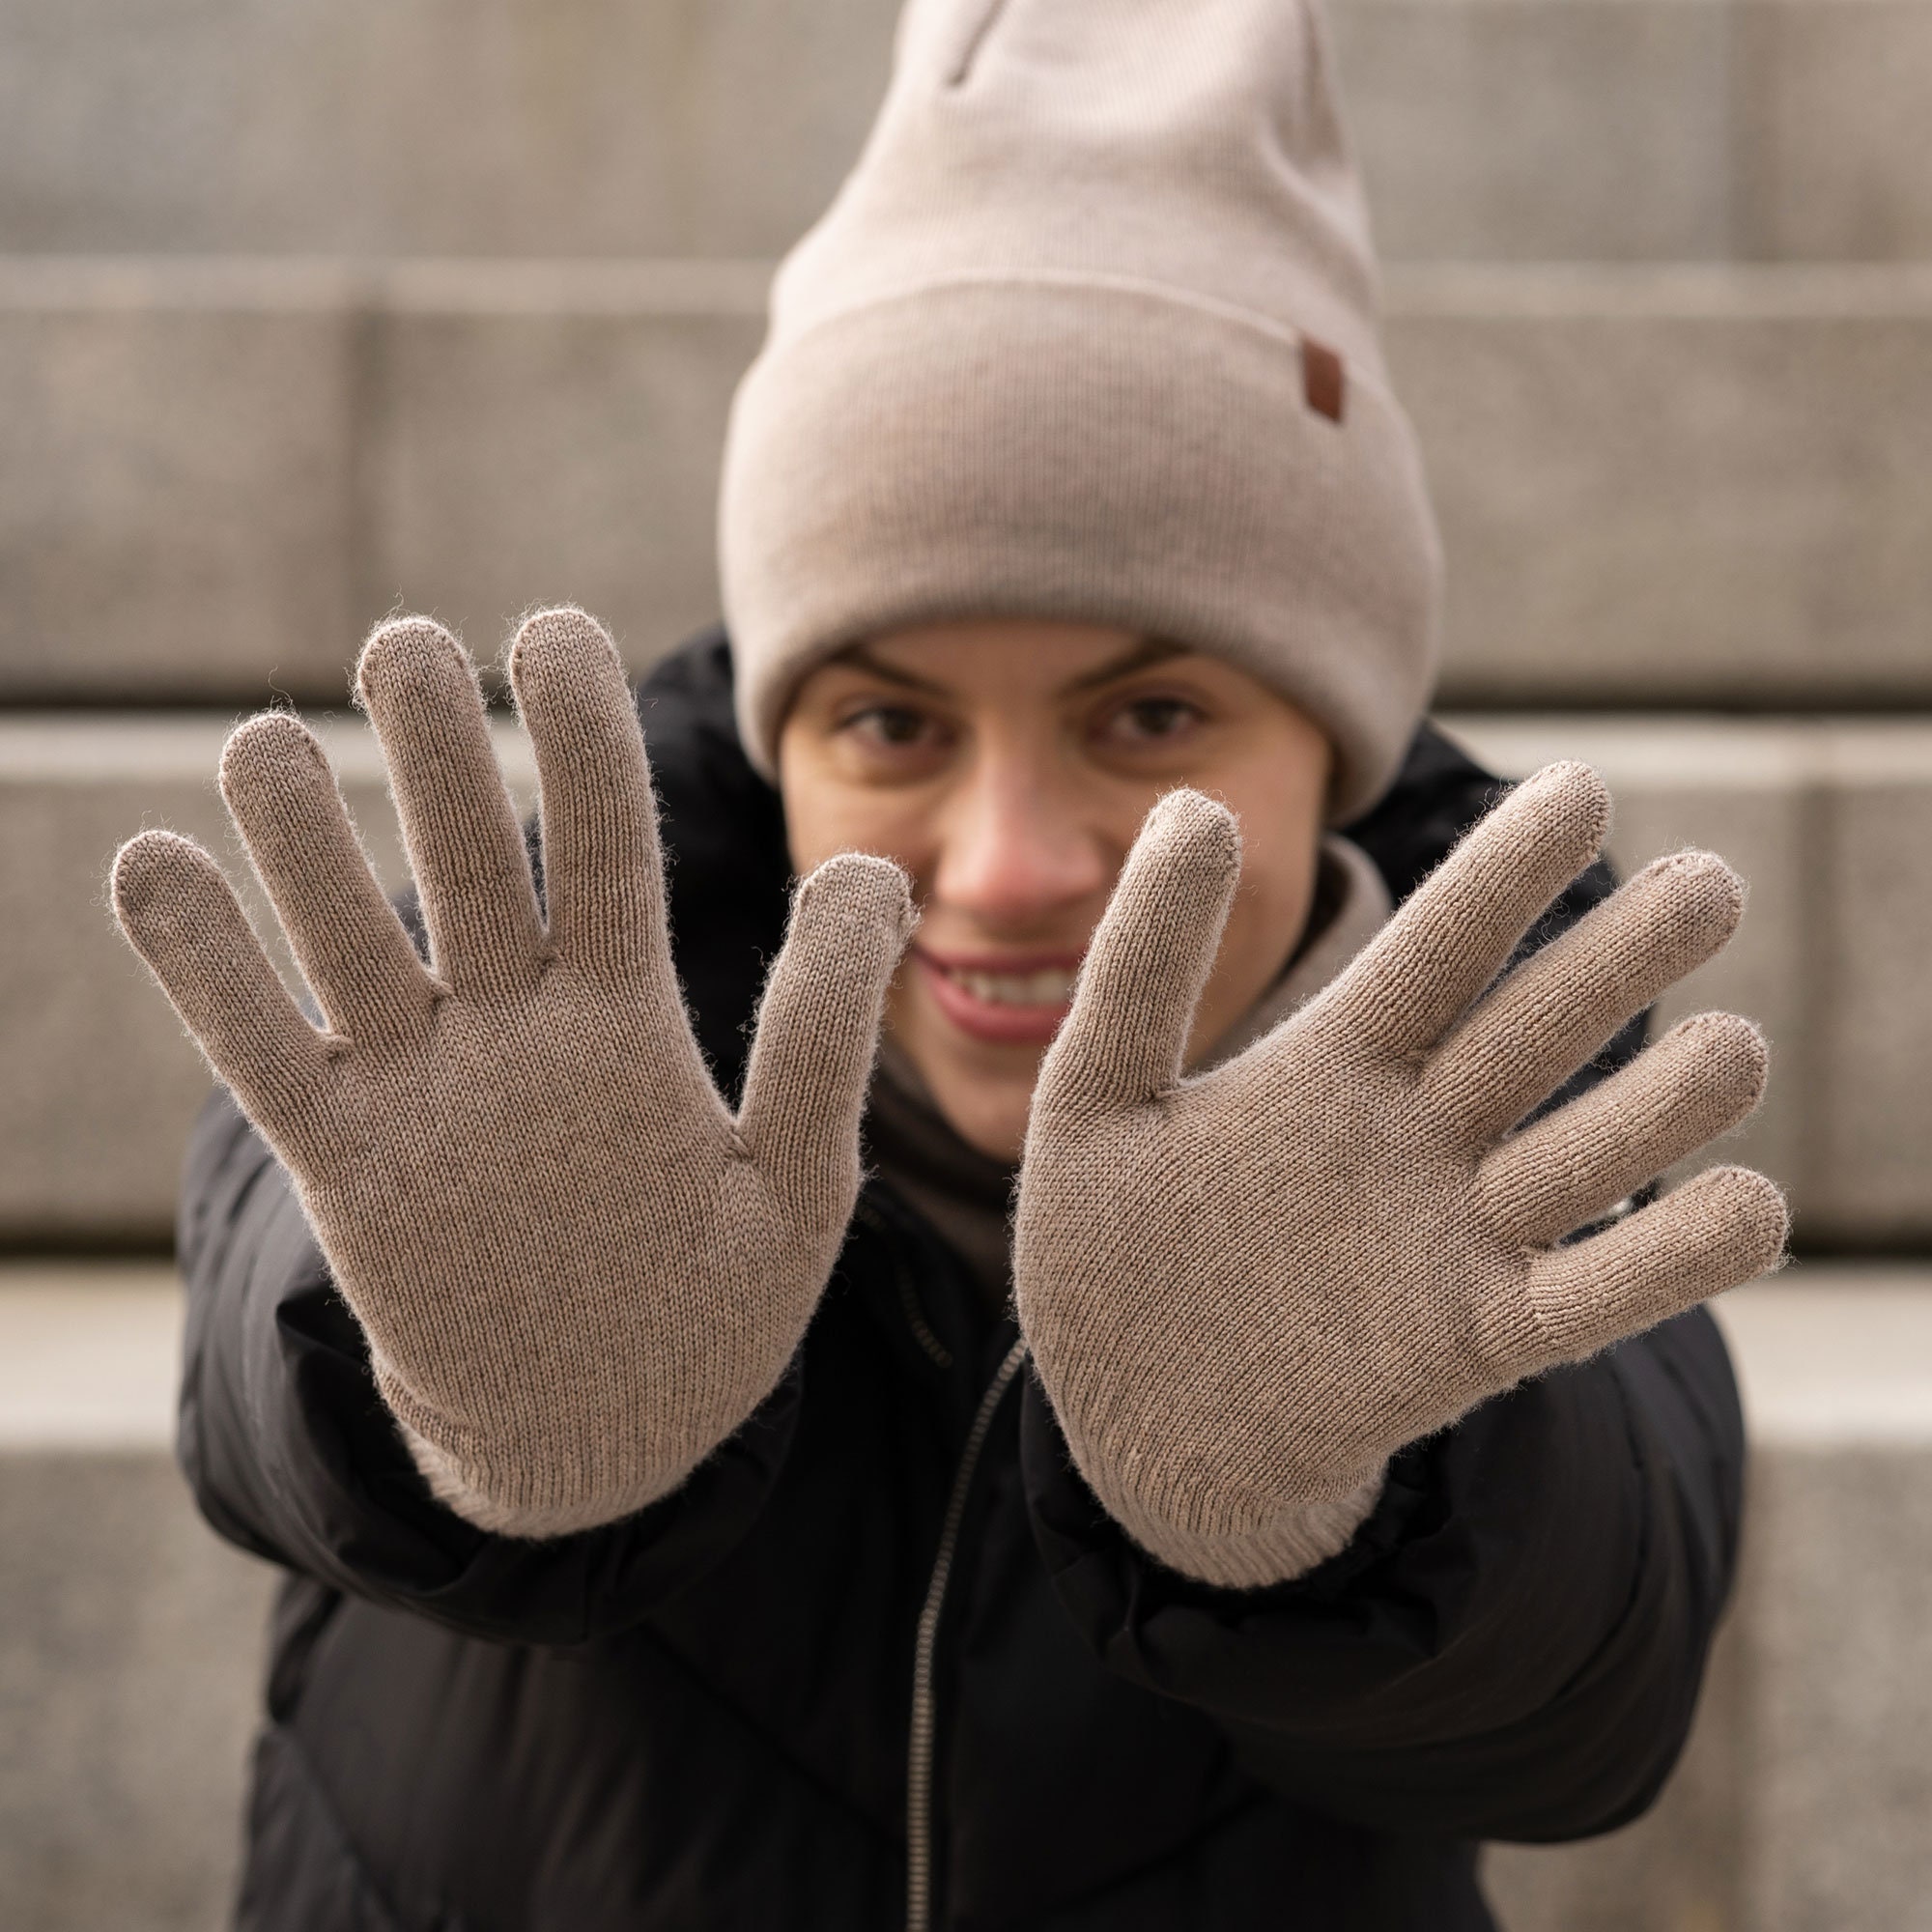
1091, 453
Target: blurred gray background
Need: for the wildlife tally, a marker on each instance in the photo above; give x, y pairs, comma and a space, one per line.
312, 310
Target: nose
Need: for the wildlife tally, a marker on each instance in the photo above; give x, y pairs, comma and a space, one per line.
1017, 853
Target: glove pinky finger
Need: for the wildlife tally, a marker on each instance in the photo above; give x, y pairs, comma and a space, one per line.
1725, 1228
182, 917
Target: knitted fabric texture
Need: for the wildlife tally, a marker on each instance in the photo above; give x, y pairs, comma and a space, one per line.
1089, 334
968, 1195
1245, 1290
576, 1270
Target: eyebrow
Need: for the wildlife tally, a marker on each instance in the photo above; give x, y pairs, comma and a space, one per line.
861, 657
1136, 657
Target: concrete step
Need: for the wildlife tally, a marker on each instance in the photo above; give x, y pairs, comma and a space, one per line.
1830, 820
1675, 486
587, 128
220, 473
1801, 1803
1657, 486
1488, 128
1635, 130
102, 1085
131, 1639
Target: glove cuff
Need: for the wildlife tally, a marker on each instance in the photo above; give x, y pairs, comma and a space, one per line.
510, 1508
518, 1493
1304, 1535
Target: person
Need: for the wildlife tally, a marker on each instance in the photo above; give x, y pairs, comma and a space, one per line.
1239, 1430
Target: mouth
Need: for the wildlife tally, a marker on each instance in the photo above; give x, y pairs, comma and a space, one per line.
1018, 1002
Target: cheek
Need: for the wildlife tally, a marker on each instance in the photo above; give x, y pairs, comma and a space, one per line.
826, 814
1271, 907
1281, 843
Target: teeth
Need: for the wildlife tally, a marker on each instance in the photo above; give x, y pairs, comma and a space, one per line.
1051, 988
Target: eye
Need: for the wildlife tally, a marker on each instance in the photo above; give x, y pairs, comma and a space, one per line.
1151, 721
893, 725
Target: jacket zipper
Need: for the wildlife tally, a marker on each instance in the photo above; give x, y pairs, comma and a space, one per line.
934, 1349
919, 1752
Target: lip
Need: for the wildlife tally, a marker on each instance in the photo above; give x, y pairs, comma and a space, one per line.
990, 1020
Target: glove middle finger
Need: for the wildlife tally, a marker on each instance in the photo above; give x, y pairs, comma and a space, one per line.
1535, 1028
478, 899
602, 871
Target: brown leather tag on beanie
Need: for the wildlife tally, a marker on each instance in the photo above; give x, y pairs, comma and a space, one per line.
1324, 380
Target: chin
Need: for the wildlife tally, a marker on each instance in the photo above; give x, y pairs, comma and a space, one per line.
987, 1106
983, 1088
999, 1134
984, 1095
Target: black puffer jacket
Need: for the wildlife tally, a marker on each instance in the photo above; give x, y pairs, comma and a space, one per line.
704, 1716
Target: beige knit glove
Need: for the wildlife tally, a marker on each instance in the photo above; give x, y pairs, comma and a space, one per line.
576, 1271
1245, 1291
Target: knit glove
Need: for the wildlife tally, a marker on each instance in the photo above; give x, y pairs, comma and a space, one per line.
578, 1272
1244, 1290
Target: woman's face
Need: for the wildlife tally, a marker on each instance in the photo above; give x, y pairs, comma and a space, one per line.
1007, 764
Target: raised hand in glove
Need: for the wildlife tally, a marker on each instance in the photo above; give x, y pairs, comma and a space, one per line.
1245, 1291
576, 1270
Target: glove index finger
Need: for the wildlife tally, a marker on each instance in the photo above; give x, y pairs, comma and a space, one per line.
465, 847
1125, 1039
819, 1031
603, 869
1440, 951
182, 917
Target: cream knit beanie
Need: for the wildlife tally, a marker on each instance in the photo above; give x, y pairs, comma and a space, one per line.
1089, 334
